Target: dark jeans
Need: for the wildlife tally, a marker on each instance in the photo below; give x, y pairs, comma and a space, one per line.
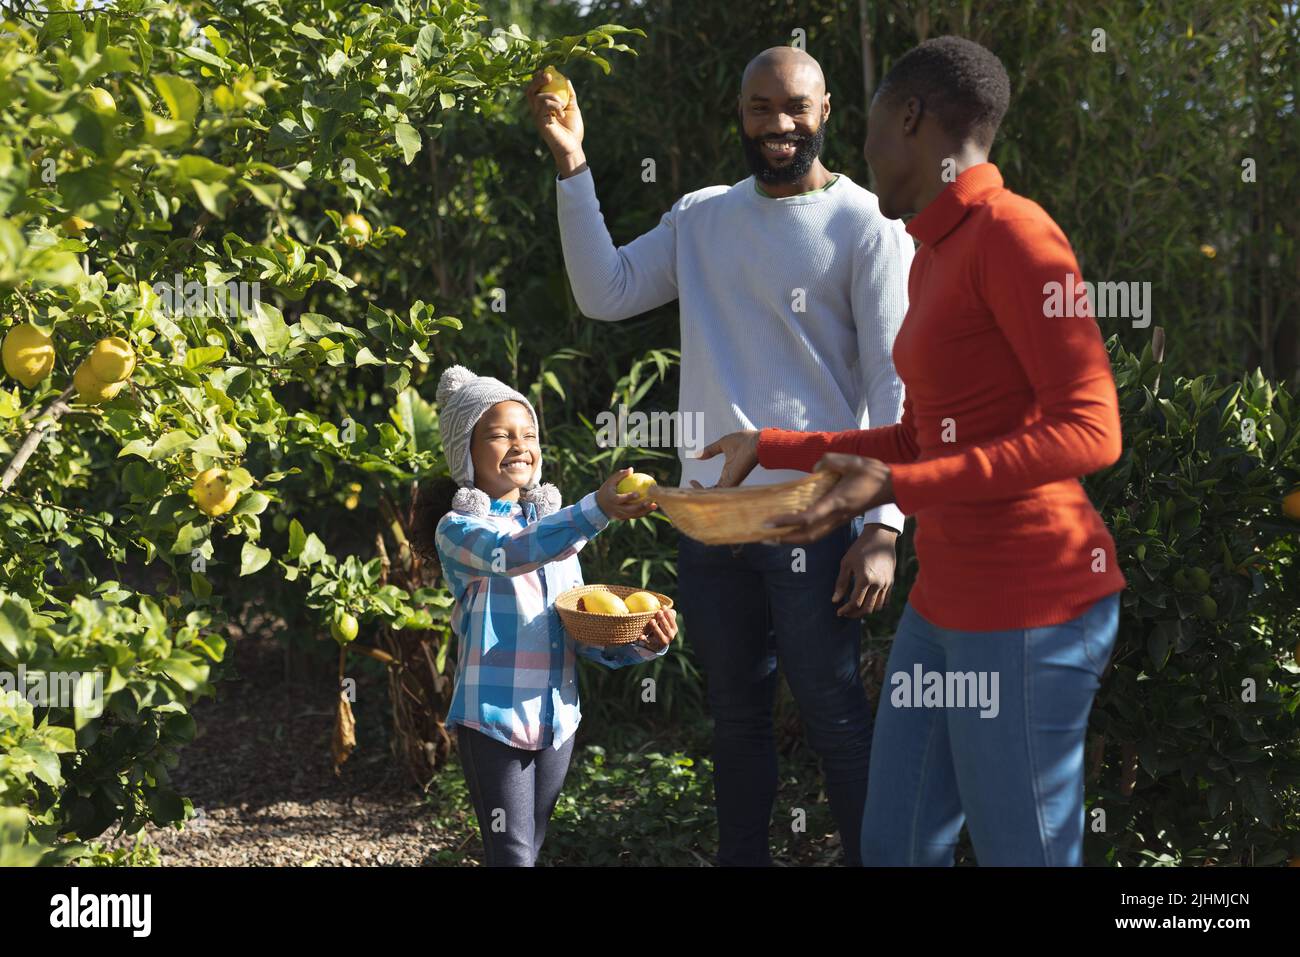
514, 793
745, 608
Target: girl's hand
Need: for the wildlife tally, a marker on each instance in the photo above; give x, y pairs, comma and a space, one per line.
661, 630
741, 450
625, 506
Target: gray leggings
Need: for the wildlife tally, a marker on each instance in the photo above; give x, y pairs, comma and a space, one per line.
514, 793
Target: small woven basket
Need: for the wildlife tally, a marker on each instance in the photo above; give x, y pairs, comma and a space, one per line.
595, 628
734, 516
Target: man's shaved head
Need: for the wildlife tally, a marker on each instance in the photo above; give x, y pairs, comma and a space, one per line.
781, 60
783, 107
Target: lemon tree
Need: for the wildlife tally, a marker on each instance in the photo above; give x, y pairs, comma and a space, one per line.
197, 351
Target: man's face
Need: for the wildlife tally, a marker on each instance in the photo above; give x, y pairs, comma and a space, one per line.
888, 151
783, 110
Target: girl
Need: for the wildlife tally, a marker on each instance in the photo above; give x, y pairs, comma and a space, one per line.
507, 551
1007, 404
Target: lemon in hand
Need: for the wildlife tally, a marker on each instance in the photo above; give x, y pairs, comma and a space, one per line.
558, 85
91, 389
641, 601
28, 354
602, 603
212, 492
637, 482
112, 359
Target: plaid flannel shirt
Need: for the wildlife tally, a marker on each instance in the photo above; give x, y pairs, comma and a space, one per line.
516, 674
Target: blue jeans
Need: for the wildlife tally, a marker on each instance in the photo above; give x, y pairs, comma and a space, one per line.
745, 608
1014, 777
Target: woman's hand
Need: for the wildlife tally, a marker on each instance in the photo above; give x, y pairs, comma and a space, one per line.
864, 483
661, 629
624, 506
866, 572
741, 450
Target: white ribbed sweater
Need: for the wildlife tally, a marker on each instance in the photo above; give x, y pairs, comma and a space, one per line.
741, 265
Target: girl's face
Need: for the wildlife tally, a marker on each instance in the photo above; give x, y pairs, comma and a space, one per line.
505, 450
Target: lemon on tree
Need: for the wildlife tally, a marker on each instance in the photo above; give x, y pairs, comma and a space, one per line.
1291, 504
101, 100
637, 482
356, 230
344, 627
213, 493
28, 354
91, 389
112, 359
75, 226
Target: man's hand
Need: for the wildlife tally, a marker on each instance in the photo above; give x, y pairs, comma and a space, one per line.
741, 450
864, 483
866, 573
559, 123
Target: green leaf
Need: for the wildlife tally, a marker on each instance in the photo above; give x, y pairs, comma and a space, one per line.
269, 329
181, 96
408, 139
170, 444
252, 558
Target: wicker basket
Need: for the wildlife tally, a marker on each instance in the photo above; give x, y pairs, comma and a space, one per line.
734, 516
595, 628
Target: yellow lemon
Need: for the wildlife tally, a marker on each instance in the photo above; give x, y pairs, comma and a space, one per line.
356, 230
101, 100
1208, 251
558, 85
1291, 504
28, 354
91, 389
637, 482
603, 603
641, 601
213, 493
75, 226
353, 497
112, 359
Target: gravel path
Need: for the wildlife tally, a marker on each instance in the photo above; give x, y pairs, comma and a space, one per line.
260, 776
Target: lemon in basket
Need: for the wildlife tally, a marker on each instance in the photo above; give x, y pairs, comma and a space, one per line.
641, 601
603, 603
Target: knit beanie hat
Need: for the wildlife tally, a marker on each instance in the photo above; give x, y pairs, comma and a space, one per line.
463, 397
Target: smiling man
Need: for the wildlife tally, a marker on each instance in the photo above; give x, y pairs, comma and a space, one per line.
791, 286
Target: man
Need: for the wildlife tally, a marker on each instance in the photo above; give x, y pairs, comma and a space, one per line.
791, 287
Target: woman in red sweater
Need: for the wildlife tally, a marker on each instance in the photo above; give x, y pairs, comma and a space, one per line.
1013, 615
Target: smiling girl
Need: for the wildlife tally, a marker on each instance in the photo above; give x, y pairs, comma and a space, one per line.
507, 551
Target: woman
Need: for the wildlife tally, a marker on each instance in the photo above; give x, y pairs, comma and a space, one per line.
1007, 405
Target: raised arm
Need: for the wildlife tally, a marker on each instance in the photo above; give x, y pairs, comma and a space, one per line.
608, 282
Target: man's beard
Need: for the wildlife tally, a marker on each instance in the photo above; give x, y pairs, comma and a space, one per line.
806, 151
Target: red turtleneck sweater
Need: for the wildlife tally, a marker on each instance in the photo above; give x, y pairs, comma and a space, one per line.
1006, 407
